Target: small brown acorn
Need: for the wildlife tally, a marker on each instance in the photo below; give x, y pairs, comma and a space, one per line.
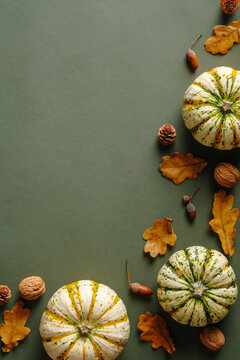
191, 210
191, 55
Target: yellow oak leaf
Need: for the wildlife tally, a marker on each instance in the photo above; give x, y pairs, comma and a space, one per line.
224, 38
224, 219
179, 167
158, 237
154, 328
13, 329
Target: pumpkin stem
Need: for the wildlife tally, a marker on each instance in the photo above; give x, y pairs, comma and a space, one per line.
84, 329
198, 289
226, 106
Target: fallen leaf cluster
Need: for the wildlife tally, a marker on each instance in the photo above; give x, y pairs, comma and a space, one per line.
224, 37
154, 329
224, 219
13, 329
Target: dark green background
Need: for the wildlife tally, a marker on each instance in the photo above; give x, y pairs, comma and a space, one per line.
84, 87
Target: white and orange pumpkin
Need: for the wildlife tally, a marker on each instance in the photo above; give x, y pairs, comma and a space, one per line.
84, 320
211, 109
197, 286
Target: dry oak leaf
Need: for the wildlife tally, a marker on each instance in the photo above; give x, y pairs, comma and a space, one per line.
158, 237
224, 219
154, 328
14, 330
179, 167
224, 38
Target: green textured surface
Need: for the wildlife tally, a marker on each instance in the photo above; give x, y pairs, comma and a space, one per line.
84, 87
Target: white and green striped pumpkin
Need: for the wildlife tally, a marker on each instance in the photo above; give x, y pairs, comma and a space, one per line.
211, 109
84, 320
197, 286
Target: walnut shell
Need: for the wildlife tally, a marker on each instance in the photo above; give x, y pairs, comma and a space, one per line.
5, 294
212, 338
226, 175
32, 287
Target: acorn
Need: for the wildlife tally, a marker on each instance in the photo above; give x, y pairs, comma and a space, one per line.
191, 210
191, 55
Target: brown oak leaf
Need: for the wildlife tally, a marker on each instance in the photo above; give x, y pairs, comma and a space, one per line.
14, 330
179, 167
224, 219
224, 38
158, 237
154, 328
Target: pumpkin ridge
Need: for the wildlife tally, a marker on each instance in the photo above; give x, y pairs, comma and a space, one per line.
83, 352
205, 264
67, 351
191, 316
94, 294
210, 310
207, 90
219, 133
172, 289
216, 80
114, 322
186, 304
57, 338
213, 265
220, 270
179, 297
197, 127
225, 286
234, 76
234, 131
234, 93
169, 278
53, 316
79, 297
217, 302
110, 341
210, 130
71, 289
190, 263
188, 104
115, 301
95, 349
177, 272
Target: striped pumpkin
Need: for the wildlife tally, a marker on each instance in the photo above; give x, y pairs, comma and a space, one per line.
211, 109
197, 286
84, 321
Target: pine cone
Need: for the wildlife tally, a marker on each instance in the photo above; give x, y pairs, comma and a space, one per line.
229, 6
166, 134
5, 294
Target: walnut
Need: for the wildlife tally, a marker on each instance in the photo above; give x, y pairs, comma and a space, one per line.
212, 338
5, 294
31, 287
226, 175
